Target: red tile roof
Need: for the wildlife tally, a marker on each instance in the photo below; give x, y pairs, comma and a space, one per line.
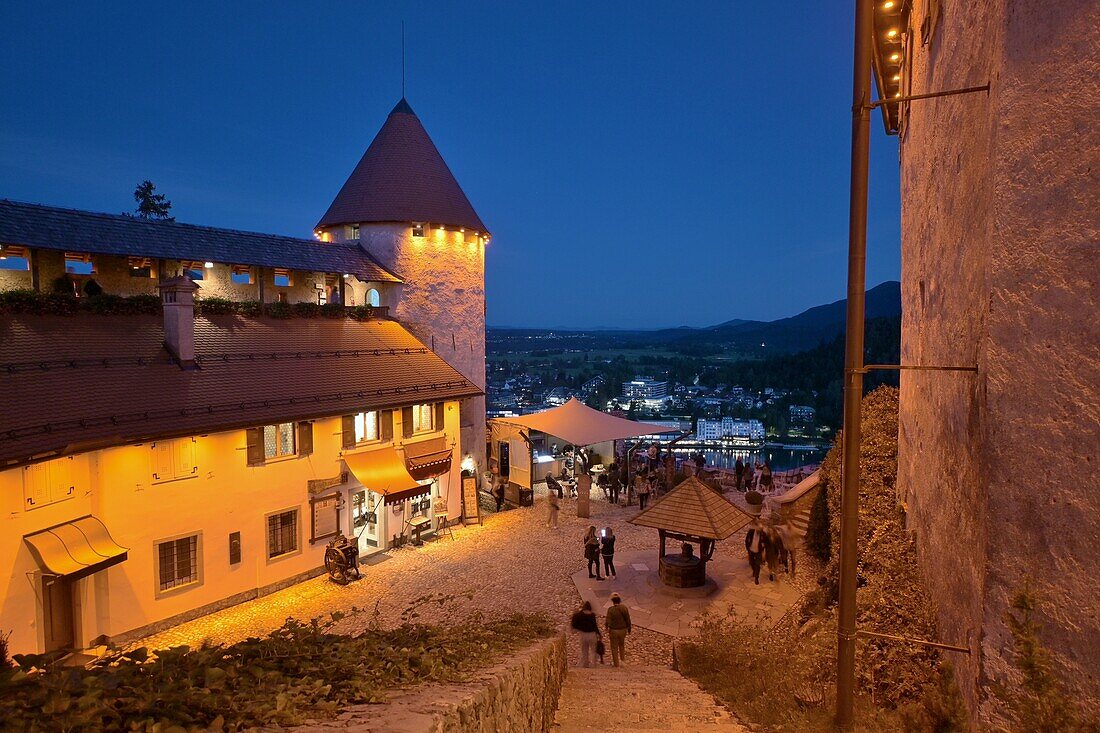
74, 383
402, 178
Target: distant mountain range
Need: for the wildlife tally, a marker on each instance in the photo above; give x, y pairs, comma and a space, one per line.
808, 328
796, 333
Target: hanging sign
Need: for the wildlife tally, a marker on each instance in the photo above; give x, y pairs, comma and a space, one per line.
471, 512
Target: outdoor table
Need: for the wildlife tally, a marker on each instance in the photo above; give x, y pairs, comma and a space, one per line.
417, 524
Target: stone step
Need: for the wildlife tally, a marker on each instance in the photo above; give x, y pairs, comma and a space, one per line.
638, 699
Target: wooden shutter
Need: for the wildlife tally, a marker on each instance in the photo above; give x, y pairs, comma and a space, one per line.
61, 479
255, 446
385, 425
183, 458
347, 431
407, 422
305, 438
36, 485
438, 422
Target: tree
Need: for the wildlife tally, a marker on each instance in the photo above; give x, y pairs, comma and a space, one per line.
151, 205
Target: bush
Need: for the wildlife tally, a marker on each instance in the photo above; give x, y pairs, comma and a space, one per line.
279, 310
754, 497
215, 306
332, 310
306, 310
250, 308
300, 671
360, 312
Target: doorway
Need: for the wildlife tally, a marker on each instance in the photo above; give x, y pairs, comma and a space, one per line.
57, 613
367, 520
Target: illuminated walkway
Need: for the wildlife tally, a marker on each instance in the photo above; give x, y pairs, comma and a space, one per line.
638, 699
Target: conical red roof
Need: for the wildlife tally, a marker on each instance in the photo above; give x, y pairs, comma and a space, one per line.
402, 177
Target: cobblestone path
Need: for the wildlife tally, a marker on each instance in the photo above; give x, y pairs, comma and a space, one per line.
626, 699
513, 562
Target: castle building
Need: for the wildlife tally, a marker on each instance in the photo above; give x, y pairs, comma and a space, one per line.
1000, 234
165, 456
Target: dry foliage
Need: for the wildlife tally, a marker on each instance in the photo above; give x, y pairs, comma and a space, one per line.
784, 679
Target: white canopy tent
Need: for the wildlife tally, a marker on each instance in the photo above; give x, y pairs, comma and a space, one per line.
574, 422
577, 423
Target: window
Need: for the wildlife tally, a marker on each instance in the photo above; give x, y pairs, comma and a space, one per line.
174, 459
77, 263
178, 563
279, 440
352, 231
282, 533
140, 267
422, 418
241, 274
282, 278
14, 258
48, 482
373, 298
418, 230
366, 427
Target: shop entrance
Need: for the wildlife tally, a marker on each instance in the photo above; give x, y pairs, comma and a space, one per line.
57, 613
368, 520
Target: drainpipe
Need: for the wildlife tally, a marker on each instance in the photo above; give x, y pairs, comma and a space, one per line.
853, 363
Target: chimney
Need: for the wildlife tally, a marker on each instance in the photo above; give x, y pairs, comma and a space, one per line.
177, 298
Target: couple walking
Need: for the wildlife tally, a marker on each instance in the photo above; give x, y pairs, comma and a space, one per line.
595, 548
587, 627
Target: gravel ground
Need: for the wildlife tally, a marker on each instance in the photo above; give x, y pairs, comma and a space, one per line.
512, 562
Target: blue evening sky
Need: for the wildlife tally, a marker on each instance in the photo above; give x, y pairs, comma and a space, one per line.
640, 164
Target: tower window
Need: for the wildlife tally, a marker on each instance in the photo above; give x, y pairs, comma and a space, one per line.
353, 231
14, 258
79, 264
241, 274
282, 278
373, 298
418, 230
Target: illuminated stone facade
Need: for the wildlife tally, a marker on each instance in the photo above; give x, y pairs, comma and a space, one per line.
1000, 242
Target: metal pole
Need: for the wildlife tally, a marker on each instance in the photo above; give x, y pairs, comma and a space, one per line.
853, 362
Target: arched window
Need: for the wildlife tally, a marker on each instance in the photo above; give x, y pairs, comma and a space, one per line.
373, 297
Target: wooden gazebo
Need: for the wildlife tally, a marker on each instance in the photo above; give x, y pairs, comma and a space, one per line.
692, 513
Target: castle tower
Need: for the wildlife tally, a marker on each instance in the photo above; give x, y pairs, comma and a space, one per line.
406, 209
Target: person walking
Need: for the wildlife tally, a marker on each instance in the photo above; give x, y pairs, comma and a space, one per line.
750, 477
553, 502
618, 626
588, 629
613, 483
773, 549
641, 488
766, 476
739, 475
607, 552
756, 542
592, 552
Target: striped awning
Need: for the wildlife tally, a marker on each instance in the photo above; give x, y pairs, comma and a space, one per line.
428, 458
383, 471
75, 549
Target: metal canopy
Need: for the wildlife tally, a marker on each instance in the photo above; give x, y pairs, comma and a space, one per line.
75, 549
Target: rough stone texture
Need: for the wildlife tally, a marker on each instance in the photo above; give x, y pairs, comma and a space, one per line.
1000, 241
637, 699
517, 696
442, 302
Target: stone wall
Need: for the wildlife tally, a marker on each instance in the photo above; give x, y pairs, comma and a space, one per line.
442, 302
1000, 239
517, 696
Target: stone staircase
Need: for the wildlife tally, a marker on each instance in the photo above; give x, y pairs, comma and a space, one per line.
627, 699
